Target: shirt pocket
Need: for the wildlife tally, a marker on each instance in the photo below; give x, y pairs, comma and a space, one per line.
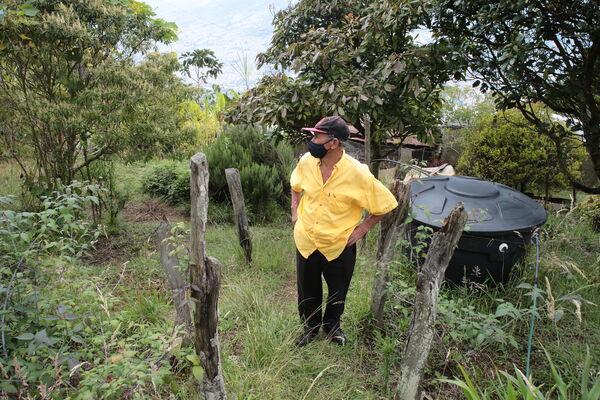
339, 203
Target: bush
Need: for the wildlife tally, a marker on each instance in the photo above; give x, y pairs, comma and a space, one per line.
169, 180
264, 172
264, 169
29, 243
590, 209
505, 148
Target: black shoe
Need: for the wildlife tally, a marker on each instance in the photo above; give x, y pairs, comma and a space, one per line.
306, 338
337, 336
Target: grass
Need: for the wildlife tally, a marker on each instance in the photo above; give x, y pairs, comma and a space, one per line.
258, 318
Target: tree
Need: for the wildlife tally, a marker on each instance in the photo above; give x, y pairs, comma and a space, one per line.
201, 64
463, 109
464, 106
70, 90
526, 52
508, 149
356, 59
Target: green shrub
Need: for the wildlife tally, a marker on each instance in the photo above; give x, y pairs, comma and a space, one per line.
169, 180
264, 169
31, 242
59, 228
505, 148
590, 209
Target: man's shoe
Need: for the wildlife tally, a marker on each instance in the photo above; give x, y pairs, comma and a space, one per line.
306, 338
337, 336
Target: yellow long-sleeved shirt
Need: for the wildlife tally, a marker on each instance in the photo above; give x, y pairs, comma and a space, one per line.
328, 213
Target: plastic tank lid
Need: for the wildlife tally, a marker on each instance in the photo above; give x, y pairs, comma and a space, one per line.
491, 207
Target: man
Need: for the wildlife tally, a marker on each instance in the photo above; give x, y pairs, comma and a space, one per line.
330, 189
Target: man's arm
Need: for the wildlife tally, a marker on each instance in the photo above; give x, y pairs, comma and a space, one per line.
295, 201
362, 229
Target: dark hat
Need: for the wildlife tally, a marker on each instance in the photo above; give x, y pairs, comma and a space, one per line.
334, 126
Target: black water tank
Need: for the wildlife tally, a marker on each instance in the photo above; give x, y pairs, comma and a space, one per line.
500, 223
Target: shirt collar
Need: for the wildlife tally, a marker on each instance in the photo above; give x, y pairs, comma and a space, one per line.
336, 165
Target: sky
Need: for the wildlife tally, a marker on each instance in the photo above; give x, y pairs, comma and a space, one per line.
233, 29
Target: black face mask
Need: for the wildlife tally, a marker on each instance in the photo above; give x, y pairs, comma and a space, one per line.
318, 150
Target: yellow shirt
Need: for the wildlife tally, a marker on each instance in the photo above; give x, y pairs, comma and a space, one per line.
328, 213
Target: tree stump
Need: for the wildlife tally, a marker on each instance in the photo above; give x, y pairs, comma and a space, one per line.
391, 229
205, 279
422, 323
177, 283
241, 222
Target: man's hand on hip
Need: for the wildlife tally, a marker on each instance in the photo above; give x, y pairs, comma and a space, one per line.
362, 229
356, 235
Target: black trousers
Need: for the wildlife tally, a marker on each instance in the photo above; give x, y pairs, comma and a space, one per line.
337, 274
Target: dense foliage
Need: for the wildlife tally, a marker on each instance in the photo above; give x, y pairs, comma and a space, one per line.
359, 60
506, 148
58, 331
170, 180
264, 169
71, 91
27, 240
590, 209
534, 51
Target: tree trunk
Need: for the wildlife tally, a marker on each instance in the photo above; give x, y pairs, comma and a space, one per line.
375, 154
391, 228
177, 283
367, 125
205, 276
422, 324
241, 222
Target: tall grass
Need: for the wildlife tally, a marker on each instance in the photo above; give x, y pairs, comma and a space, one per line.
259, 322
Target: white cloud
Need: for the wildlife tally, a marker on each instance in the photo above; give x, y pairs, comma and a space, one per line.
228, 27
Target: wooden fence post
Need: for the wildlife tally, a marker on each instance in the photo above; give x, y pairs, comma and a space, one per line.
178, 284
367, 155
241, 222
205, 276
391, 229
422, 323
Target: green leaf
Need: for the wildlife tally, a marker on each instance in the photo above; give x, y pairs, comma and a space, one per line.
524, 286
25, 336
42, 338
29, 10
193, 358
198, 372
8, 387
77, 339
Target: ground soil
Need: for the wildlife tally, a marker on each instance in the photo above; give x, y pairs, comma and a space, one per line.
150, 210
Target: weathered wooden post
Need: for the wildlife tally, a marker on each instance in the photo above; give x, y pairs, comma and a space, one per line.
241, 222
367, 156
177, 283
391, 229
205, 275
422, 323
